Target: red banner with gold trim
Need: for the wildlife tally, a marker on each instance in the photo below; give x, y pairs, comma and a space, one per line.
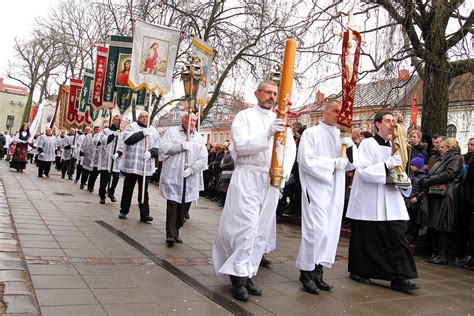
351, 42
74, 93
414, 112
99, 77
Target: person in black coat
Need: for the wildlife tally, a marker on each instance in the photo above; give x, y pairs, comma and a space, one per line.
468, 200
439, 209
413, 202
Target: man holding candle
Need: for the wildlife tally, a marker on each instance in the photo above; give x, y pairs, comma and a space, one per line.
248, 224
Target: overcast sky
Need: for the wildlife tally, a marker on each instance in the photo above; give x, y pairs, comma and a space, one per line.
17, 20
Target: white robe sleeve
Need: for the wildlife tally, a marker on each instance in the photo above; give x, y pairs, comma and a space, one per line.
368, 169
244, 141
309, 162
290, 154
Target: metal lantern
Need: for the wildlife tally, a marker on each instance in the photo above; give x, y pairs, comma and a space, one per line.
191, 75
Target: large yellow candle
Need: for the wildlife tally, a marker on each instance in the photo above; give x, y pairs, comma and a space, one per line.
284, 101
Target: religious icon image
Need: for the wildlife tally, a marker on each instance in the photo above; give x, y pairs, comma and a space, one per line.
123, 71
154, 59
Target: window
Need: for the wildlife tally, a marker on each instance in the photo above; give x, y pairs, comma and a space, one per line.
10, 120
208, 138
451, 131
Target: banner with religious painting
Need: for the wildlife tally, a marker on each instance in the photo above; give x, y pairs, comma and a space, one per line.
117, 92
206, 54
85, 100
154, 55
99, 77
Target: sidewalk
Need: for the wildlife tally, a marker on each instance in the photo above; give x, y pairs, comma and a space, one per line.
82, 260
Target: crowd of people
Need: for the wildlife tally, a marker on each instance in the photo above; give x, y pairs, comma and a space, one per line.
323, 186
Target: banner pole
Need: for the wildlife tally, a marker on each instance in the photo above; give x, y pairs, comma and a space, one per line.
142, 197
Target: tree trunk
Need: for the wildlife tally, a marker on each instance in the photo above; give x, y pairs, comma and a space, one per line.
434, 120
26, 112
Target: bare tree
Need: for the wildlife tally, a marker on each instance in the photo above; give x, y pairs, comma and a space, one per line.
428, 35
35, 60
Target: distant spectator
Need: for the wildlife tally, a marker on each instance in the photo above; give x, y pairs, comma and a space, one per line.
413, 202
356, 136
366, 134
439, 210
417, 147
436, 153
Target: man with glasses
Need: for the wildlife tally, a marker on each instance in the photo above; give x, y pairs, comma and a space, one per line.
248, 224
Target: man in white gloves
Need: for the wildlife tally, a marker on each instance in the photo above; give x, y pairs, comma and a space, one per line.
378, 247
135, 155
68, 146
108, 144
173, 150
247, 228
322, 175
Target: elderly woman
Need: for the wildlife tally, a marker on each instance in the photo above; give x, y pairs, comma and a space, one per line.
439, 207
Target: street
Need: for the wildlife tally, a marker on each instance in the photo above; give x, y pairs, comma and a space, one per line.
62, 253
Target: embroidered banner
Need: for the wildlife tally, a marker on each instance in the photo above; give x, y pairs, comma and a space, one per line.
75, 87
86, 91
205, 54
154, 55
350, 66
99, 77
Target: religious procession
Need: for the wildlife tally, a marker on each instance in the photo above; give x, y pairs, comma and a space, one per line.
146, 186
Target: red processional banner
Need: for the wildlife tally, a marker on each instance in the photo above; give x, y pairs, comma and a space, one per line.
99, 77
351, 42
414, 112
74, 93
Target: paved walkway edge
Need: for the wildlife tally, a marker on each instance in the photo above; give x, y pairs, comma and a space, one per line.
17, 294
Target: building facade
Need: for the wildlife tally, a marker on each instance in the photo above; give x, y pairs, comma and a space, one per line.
12, 105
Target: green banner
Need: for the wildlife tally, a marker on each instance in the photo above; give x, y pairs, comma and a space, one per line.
116, 79
85, 99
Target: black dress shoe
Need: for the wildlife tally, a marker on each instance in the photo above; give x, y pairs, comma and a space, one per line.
252, 289
102, 201
403, 285
359, 278
81, 187
170, 241
318, 278
40, 176
69, 178
90, 190
122, 216
240, 292
47, 175
322, 285
178, 240
186, 215
308, 282
146, 219
112, 198
265, 262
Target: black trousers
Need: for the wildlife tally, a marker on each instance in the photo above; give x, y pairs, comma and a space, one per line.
44, 167
78, 172
175, 217
68, 167
113, 185
128, 186
89, 177
105, 176
57, 162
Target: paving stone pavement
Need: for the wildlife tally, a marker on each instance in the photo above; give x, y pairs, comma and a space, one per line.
55, 259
